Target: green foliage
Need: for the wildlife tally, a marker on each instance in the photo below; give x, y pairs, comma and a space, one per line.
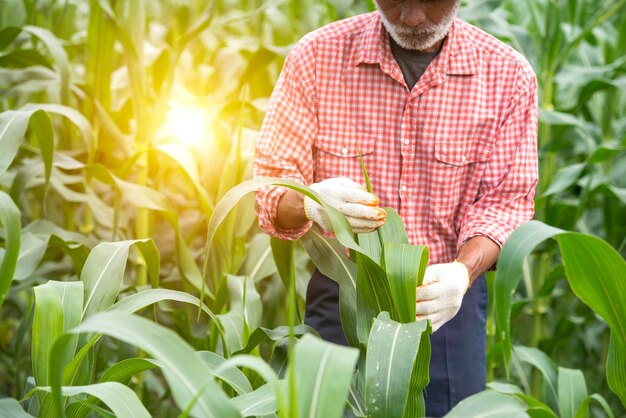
99, 202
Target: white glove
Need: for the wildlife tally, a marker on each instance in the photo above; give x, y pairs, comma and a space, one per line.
358, 205
441, 293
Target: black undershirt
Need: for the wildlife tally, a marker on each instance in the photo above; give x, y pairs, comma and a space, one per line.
413, 63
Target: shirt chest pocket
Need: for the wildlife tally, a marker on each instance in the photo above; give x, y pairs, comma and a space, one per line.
457, 170
337, 154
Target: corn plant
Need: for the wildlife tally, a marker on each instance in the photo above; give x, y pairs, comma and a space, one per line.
376, 302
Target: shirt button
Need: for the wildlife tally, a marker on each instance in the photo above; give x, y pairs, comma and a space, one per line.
344, 150
403, 188
463, 158
407, 142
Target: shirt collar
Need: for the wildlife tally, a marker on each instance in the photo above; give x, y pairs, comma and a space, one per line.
456, 57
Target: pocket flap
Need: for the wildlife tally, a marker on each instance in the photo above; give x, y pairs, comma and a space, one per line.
345, 144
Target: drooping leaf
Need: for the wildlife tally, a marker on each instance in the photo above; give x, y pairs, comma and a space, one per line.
184, 370
11, 408
489, 404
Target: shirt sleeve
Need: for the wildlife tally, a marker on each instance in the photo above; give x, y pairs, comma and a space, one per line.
506, 194
284, 148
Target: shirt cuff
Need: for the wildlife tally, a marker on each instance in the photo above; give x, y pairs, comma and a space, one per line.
495, 230
267, 206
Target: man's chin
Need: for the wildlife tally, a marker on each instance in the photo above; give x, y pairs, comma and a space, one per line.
421, 44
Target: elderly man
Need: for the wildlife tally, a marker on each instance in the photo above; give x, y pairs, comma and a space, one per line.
445, 117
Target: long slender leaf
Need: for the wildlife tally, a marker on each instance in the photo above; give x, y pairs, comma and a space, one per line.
489, 404
392, 350
597, 275
183, 368
10, 220
572, 391
11, 408
323, 374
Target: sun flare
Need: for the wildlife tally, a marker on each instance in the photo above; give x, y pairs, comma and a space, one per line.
187, 125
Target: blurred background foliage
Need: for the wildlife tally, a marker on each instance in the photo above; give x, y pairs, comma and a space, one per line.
131, 119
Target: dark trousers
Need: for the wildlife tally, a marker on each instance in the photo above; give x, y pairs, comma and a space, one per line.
458, 349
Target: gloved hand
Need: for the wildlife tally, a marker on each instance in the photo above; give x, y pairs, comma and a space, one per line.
358, 205
441, 293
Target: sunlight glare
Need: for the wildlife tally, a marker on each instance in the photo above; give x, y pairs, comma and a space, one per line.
187, 125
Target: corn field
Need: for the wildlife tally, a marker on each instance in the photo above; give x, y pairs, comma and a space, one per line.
135, 282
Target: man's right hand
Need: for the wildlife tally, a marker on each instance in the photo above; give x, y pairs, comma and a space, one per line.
358, 205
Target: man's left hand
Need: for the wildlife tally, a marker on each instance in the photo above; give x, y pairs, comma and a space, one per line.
441, 293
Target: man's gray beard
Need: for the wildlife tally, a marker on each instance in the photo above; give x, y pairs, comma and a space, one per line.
420, 39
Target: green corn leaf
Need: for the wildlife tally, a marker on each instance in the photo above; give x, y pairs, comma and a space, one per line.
323, 375
259, 366
372, 246
120, 372
184, 370
24, 58
13, 125
11, 222
393, 229
245, 312
140, 300
405, 265
572, 391
232, 376
260, 402
489, 404
600, 401
47, 328
59, 57
509, 272
8, 35
104, 270
10, 408
596, 273
41, 124
274, 336
342, 228
544, 364
392, 350
332, 261
121, 399
373, 295
32, 250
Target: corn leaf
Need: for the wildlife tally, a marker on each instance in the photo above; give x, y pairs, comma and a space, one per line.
393, 229
373, 295
104, 270
323, 375
11, 222
489, 404
572, 391
232, 376
184, 370
121, 399
392, 351
405, 265
10, 408
544, 365
332, 261
600, 401
596, 273
260, 402
47, 328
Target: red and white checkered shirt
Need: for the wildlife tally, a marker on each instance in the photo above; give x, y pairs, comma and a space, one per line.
456, 156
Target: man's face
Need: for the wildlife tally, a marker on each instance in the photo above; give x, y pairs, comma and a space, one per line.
418, 24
